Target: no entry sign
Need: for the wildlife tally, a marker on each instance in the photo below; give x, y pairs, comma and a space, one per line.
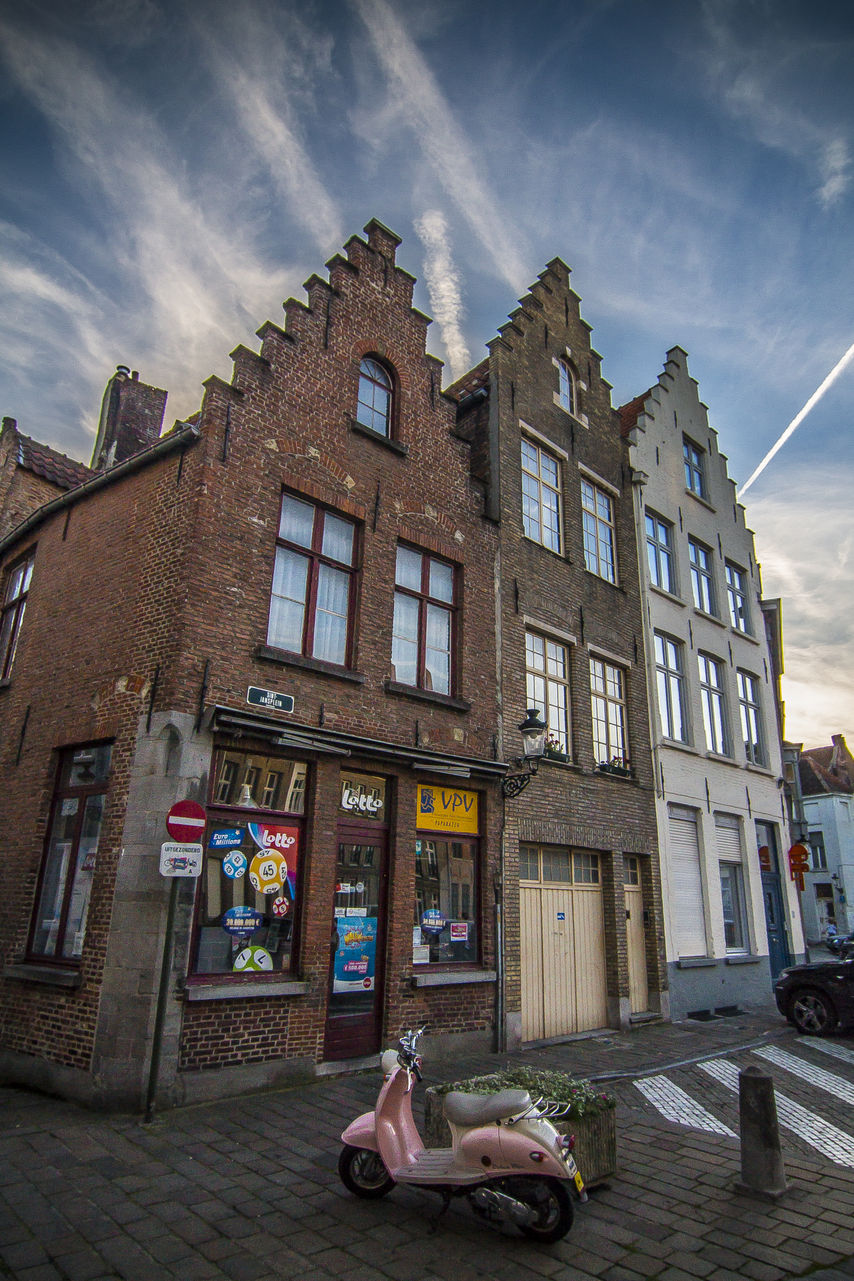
186, 821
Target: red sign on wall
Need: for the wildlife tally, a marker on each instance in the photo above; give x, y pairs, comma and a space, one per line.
186, 822
799, 862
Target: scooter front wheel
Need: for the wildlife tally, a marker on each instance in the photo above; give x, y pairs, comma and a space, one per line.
552, 1202
363, 1173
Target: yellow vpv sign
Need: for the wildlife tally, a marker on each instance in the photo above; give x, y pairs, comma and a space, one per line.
447, 809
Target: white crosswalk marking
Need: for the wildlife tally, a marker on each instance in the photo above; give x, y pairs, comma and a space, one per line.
813, 1129
829, 1081
675, 1105
837, 1051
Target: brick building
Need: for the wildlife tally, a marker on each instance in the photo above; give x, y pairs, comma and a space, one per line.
273, 612
580, 850
31, 474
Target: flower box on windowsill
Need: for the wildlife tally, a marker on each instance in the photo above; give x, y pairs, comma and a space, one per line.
619, 769
555, 754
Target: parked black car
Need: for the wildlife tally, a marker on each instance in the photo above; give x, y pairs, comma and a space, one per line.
819, 996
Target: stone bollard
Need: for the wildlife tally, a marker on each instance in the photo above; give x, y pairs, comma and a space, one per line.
762, 1170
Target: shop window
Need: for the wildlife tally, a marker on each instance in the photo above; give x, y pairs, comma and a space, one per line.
311, 604
68, 869
447, 871
12, 613
423, 627
251, 880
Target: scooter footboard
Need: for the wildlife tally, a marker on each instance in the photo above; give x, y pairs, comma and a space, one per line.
362, 1133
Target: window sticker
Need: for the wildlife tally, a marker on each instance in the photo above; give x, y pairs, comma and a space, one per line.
69, 806
268, 872
223, 838
252, 958
242, 921
356, 954
235, 865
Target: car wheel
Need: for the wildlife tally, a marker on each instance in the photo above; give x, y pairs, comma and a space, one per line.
812, 1012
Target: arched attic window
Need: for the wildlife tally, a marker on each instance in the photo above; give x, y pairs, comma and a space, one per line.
566, 388
374, 409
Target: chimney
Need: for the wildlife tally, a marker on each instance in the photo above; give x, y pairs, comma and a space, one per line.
131, 418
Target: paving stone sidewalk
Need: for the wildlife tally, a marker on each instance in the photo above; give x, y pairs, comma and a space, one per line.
247, 1190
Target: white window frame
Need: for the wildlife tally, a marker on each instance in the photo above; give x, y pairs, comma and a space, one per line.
694, 459
702, 576
541, 493
714, 701
750, 713
608, 707
670, 687
548, 686
598, 531
737, 595
659, 552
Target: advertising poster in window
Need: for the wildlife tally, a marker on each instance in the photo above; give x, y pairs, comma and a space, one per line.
447, 809
356, 954
280, 845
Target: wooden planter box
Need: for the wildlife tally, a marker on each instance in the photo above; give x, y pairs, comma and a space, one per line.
595, 1149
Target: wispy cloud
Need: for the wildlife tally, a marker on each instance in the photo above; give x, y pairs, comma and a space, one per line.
751, 73
813, 572
443, 286
444, 145
270, 79
184, 274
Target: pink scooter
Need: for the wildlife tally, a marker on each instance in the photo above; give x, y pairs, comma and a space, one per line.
507, 1158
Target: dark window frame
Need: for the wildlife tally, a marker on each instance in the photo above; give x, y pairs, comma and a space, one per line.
366, 412
316, 558
64, 790
425, 600
13, 608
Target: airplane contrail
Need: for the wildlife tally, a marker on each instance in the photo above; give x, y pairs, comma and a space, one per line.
799, 418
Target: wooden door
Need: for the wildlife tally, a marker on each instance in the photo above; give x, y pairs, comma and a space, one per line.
636, 937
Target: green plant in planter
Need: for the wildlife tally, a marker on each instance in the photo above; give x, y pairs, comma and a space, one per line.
580, 1097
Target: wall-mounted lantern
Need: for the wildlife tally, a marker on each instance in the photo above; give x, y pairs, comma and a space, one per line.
533, 731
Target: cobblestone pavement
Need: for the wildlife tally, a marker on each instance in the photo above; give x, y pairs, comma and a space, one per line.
248, 1188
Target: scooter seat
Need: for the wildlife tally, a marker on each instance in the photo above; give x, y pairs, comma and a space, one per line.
480, 1109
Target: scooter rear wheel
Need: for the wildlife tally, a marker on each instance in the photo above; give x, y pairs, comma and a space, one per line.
552, 1202
363, 1173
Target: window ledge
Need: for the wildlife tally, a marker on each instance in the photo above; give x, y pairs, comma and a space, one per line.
286, 659
758, 769
748, 636
711, 618
394, 445
427, 696
704, 502
228, 991
743, 959
32, 972
695, 962
445, 978
721, 757
680, 746
662, 591
600, 578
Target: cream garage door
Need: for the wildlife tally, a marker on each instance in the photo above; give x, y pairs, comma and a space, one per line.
563, 942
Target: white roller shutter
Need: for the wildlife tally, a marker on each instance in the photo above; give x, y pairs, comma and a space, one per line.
686, 884
728, 838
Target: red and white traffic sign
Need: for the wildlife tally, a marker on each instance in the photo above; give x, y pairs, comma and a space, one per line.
186, 821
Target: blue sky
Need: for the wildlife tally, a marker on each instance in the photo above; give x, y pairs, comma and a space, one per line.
170, 172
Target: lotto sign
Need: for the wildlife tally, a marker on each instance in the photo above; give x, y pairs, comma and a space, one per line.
277, 841
185, 821
225, 837
268, 872
252, 958
281, 906
235, 865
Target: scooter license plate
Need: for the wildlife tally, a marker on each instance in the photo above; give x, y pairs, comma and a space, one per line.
574, 1171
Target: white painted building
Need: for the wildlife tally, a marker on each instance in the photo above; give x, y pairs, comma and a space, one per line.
827, 792
730, 910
